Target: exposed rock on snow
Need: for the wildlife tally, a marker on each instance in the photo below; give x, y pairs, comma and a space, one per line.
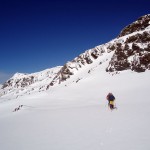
133, 53
71, 67
28, 83
141, 24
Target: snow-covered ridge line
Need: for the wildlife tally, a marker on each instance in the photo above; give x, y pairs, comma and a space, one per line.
140, 24
21, 84
71, 67
131, 51
123, 38
114, 45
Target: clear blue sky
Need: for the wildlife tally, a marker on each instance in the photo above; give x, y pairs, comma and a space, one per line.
40, 34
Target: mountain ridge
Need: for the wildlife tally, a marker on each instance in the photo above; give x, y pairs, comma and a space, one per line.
139, 25
131, 51
120, 46
18, 83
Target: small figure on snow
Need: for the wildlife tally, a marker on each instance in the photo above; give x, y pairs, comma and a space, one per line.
111, 98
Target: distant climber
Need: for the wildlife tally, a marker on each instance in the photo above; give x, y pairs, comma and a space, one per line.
111, 98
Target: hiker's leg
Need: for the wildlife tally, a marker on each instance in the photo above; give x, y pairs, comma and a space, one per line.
111, 106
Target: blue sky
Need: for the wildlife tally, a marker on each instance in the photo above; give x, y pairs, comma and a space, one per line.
40, 34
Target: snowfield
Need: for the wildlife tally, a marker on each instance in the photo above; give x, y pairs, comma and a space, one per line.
74, 115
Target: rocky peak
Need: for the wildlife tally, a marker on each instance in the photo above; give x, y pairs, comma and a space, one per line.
138, 25
130, 52
133, 50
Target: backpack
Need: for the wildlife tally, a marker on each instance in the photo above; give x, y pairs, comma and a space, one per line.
111, 97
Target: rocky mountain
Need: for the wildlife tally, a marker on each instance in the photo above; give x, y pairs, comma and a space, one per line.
132, 47
140, 25
130, 50
79, 62
21, 84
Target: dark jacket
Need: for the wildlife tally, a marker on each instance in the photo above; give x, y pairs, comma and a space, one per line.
110, 97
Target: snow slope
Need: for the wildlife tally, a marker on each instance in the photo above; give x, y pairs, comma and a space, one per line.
74, 115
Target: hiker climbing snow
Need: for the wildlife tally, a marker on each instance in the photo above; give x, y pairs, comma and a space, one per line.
111, 98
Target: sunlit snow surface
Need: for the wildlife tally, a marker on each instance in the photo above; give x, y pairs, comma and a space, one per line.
74, 115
